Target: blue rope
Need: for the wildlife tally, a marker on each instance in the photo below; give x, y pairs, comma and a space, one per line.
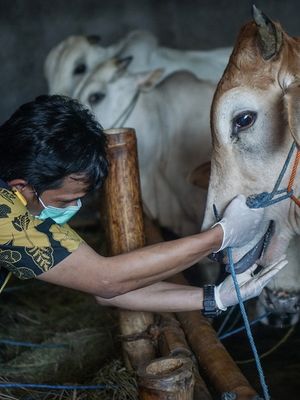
242, 328
260, 200
56, 387
248, 328
266, 199
10, 342
226, 319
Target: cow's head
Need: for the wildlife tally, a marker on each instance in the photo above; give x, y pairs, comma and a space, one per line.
111, 91
254, 119
72, 60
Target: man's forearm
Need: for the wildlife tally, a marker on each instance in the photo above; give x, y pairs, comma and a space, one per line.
159, 297
158, 262
108, 277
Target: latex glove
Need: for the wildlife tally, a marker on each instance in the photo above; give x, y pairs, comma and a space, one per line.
239, 223
250, 285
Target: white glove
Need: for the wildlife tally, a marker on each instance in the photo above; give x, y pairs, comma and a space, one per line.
239, 223
250, 285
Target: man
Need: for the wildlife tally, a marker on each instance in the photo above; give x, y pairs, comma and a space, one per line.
52, 153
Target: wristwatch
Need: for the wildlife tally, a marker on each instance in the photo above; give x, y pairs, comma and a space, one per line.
210, 308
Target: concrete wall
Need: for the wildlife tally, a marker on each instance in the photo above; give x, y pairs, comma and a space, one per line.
30, 28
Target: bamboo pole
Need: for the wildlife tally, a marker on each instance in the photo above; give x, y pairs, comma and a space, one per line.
171, 340
166, 378
124, 229
212, 356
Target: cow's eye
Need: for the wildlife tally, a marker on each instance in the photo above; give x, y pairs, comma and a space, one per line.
243, 121
79, 69
95, 98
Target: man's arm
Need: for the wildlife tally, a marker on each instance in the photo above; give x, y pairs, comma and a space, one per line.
159, 297
170, 297
107, 277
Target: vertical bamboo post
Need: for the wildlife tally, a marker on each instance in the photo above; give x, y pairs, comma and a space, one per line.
166, 378
172, 341
124, 228
212, 356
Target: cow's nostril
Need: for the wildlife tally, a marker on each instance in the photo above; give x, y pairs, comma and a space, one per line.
95, 98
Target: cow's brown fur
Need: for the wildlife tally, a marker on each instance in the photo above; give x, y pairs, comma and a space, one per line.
247, 67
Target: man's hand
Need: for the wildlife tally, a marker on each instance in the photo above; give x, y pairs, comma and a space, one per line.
250, 285
239, 223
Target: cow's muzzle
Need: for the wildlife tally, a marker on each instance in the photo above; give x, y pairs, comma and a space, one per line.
250, 257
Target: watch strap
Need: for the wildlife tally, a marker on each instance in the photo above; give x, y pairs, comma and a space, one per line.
210, 308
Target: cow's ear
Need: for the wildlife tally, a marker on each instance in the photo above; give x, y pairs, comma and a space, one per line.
292, 108
148, 80
122, 63
269, 35
200, 176
120, 66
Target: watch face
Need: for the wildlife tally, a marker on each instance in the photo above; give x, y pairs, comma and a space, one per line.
209, 304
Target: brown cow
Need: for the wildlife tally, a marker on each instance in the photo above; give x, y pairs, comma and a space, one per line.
255, 119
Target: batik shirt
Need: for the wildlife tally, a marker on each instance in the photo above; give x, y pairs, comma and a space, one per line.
29, 246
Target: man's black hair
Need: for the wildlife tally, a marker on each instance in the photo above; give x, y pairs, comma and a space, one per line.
49, 138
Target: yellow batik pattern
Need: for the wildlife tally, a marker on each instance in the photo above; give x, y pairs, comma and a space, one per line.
29, 246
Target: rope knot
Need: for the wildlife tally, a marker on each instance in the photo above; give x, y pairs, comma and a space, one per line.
258, 200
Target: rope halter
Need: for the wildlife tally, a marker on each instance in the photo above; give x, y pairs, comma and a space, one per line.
266, 199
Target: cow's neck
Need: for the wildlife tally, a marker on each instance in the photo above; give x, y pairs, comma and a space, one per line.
127, 112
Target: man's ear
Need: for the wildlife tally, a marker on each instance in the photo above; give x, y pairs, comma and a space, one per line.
200, 176
291, 101
19, 184
22, 190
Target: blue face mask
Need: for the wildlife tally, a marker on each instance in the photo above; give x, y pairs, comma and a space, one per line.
59, 215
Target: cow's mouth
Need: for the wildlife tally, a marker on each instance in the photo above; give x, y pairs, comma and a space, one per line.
250, 257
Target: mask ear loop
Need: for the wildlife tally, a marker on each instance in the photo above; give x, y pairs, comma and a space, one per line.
41, 201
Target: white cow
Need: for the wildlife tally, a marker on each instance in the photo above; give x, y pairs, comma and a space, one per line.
74, 59
172, 125
255, 119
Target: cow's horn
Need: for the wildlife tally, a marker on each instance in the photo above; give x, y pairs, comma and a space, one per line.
269, 36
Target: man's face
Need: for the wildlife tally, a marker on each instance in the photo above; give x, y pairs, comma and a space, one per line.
73, 188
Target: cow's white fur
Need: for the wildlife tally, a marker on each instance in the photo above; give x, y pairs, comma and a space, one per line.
78, 49
172, 126
141, 45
